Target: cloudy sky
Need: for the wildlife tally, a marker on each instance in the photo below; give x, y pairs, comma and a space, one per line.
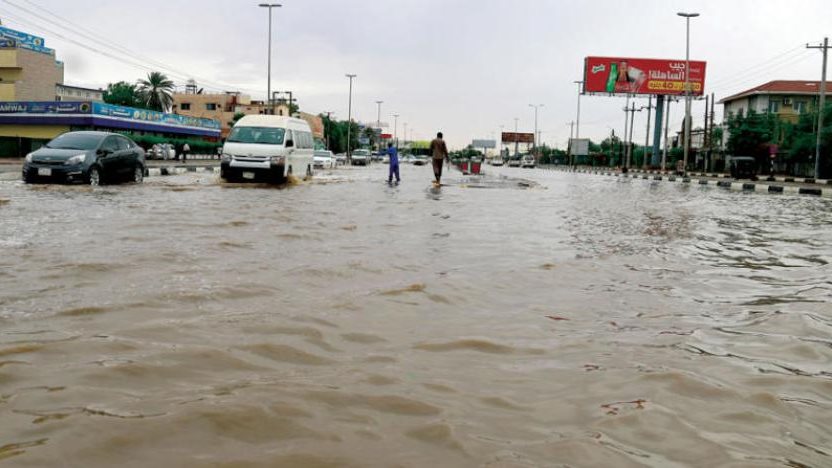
464, 67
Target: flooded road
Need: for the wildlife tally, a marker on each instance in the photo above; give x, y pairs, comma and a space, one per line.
544, 319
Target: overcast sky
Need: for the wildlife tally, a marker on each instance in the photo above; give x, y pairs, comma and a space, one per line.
464, 67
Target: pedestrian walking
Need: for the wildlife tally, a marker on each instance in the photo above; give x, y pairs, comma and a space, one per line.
393, 154
439, 153
185, 150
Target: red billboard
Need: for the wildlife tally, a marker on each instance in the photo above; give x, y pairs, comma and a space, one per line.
621, 75
511, 137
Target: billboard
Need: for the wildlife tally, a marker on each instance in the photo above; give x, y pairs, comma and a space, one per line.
484, 144
26, 41
622, 75
49, 107
579, 146
131, 113
512, 137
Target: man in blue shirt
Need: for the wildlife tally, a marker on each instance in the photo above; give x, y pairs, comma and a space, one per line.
394, 163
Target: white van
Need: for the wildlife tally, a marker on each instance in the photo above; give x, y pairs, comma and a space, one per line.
268, 148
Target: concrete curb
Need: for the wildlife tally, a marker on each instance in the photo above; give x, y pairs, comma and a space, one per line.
799, 180
727, 184
176, 170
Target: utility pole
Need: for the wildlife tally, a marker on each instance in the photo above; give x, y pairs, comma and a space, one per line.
270, 105
396, 129
534, 137
569, 146
349, 120
706, 138
666, 125
711, 138
328, 127
578, 118
378, 123
822, 103
516, 139
633, 111
647, 136
624, 136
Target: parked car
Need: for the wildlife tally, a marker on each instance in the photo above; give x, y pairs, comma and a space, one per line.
420, 160
743, 167
515, 161
360, 157
528, 161
268, 148
162, 151
341, 158
90, 157
407, 159
496, 161
323, 159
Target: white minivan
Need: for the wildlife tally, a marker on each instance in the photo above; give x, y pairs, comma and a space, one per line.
267, 148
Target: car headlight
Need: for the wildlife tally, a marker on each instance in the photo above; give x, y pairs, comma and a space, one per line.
226, 157
29, 157
77, 159
278, 159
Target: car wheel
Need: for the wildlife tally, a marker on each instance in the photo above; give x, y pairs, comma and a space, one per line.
138, 174
94, 176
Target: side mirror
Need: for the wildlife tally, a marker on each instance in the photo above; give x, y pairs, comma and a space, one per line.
104, 152
290, 143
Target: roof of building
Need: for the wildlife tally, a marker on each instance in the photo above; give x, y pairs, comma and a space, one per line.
799, 87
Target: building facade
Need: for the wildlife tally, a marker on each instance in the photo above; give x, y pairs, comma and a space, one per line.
76, 93
28, 69
786, 99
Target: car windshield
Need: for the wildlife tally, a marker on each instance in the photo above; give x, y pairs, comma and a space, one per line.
76, 141
258, 135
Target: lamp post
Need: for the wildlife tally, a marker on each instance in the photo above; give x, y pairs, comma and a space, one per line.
687, 17
349, 120
269, 79
534, 137
328, 127
378, 124
578, 118
405, 133
516, 140
396, 129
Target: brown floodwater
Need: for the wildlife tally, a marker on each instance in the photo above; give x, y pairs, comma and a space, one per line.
528, 318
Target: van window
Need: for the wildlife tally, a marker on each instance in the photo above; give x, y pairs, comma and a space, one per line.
258, 135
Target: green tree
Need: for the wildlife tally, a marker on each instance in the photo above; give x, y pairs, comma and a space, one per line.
122, 94
156, 92
237, 116
751, 134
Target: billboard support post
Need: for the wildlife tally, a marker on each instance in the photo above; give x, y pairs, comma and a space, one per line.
657, 130
644, 163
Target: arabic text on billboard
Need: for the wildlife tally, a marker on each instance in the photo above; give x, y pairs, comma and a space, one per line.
484, 144
152, 116
24, 40
621, 75
511, 137
28, 107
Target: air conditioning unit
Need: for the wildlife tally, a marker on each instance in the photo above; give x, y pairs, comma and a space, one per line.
787, 101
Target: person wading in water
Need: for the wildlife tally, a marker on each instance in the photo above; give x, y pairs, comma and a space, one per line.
439, 152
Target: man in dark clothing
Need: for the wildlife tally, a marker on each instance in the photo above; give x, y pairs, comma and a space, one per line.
394, 163
439, 153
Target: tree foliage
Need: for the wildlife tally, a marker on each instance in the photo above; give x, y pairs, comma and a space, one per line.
156, 92
122, 94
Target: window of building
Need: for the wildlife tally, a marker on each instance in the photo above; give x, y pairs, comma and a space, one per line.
800, 107
185, 106
211, 106
774, 106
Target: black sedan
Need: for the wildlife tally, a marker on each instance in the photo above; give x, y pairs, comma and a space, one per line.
89, 157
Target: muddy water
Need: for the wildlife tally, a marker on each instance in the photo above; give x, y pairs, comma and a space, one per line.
558, 320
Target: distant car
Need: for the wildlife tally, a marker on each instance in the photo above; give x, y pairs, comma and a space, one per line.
161, 151
407, 159
341, 158
323, 159
497, 161
420, 160
528, 161
360, 157
514, 161
743, 167
90, 157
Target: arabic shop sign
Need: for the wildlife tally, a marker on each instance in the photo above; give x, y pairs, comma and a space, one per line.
620, 75
145, 115
23, 40
57, 107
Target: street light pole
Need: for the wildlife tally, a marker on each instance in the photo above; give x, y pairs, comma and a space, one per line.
516, 139
269, 79
687, 17
349, 120
578, 119
378, 124
328, 127
396, 129
821, 103
534, 137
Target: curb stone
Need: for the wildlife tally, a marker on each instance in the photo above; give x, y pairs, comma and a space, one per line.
728, 184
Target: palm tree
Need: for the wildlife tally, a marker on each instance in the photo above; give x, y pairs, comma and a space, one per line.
156, 92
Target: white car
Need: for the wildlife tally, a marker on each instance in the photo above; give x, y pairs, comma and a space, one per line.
323, 159
528, 161
341, 158
497, 161
360, 157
